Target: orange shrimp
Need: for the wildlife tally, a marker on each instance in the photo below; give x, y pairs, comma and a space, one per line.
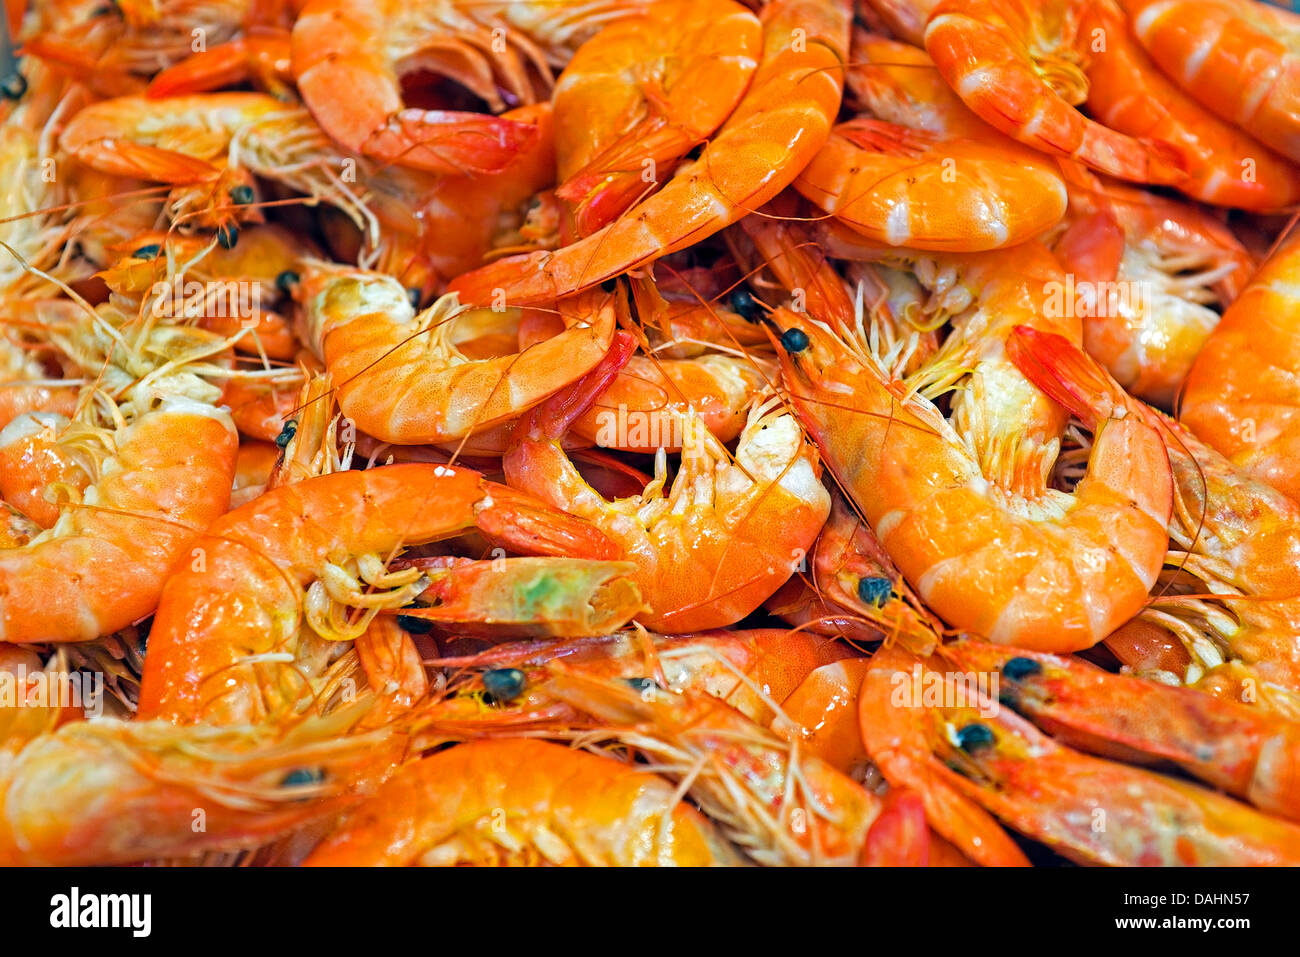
909, 188
33, 457
1015, 64
780, 123
894, 735
262, 55
640, 94
523, 802
229, 621
1241, 395
1093, 811
1235, 539
754, 671
783, 807
1036, 568
1148, 271
646, 405
115, 792
1235, 56
342, 65
744, 523
1248, 753
1128, 93
367, 332
159, 481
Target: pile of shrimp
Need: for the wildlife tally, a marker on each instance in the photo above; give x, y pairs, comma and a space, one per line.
650, 432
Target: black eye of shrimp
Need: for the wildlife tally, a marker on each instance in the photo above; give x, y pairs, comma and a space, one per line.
504, 684
147, 252
794, 341
242, 195
286, 280
289, 430
975, 736
875, 590
743, 304
1018, 667
228, 236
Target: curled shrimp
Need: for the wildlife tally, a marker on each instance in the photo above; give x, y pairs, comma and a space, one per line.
743, 524
1014, 62
1054, 571
779, 124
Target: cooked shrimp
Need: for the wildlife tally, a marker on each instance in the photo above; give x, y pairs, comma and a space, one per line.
894, 734
1241, 394
905, 187
1148, 272
344, 61
1091, 810
780, 123
401, 376
646, 90
1047, 571
523, 802
742, 524
112, 792
1014, 63
1235, 536
226, 645
782, 806
1128, 92
1235, 56
1246, 752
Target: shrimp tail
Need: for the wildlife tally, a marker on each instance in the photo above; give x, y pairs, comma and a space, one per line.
1064, 372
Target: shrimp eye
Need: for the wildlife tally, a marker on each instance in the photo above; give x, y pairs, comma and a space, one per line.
1017, 668
609, 285
228, 236
875, 591
147, 252
414, 626
974, 736
794, 340
744, 304
414, 296
242, 195
503, 684
287, 432
643, 684
14, 86
286, 281
301, 777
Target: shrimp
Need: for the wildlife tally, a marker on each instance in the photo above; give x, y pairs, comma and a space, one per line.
783, 119
33, 457
179, 140
909, 188
229, 621
1246, 752
645, 406
1046, 570
262, 55
754, 671
159, 479
113, 792
1236, 57
1236, 537
346, 73
1126, 91
1015, 64
645, 90
743, 524
894, 735
25, 383
523, 802
781, 806
1241, 395
1093, 811
367, 332
1149, 272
